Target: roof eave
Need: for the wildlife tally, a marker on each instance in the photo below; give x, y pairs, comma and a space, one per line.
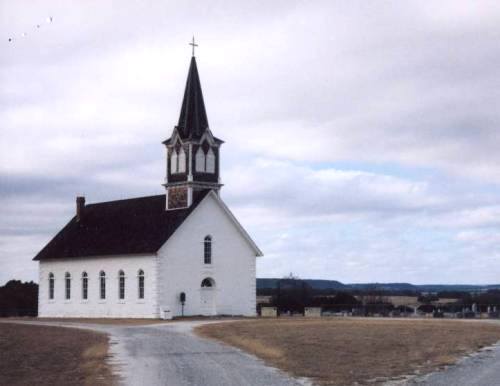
141, 254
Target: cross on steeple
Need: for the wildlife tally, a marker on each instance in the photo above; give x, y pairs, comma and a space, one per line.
193, 44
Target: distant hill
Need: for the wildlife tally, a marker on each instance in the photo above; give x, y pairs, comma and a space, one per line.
385, 286
456, 287
394, 287
314, 283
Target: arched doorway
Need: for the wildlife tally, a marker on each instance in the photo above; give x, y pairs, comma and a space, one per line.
207, 297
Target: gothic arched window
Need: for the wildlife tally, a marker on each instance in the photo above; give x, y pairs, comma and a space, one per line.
200, 160
51, 286
67, 280
173, 162
85, 286
140, 283
210, 167
102, 285
207, 250
182, 161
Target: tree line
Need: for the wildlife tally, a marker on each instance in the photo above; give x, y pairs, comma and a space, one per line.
19, 299
292, 295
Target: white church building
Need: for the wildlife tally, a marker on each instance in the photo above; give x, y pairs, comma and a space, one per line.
179, 253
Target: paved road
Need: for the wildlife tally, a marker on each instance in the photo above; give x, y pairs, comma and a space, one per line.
480, 369
171, 354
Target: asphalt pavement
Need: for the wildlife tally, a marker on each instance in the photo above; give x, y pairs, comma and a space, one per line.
170, 354
479, 369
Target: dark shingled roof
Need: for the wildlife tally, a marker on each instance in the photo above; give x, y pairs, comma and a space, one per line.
134, 226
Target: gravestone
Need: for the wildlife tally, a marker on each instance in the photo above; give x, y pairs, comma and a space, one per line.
312, 312
269, 312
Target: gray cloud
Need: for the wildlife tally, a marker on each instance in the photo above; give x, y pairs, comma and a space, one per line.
345, 123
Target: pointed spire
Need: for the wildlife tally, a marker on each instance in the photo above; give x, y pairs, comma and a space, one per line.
193, 119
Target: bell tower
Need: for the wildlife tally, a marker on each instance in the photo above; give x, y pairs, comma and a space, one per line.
192, 151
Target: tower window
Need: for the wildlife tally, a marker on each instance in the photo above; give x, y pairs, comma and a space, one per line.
210, 166
102, 285
173, 162
51, 286
121, 285
182, 162
200, 160
85, 286
207, 250
178, 161
67, 279
140, 282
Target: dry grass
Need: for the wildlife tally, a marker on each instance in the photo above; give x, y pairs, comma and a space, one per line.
346, 351
42, 355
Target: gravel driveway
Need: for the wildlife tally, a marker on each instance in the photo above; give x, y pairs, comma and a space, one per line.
170, 354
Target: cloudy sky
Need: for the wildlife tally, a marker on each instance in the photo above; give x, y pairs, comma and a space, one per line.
362, 138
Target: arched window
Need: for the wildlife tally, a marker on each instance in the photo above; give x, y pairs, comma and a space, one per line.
173, 162
67, 279
51, 286
85, 286
102, 285
182, 161
140, 283
207, 250
200, 160
121, 285
207, 282
210, 161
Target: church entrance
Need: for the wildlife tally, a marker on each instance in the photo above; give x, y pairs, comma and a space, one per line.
207, 297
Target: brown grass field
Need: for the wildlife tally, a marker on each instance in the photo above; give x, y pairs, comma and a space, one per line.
349, 351
41, 355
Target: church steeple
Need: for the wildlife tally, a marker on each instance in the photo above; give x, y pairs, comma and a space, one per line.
192, 150
193, 119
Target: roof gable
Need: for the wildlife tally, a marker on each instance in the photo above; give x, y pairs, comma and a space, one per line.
240, 228
232, 218
133, 226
